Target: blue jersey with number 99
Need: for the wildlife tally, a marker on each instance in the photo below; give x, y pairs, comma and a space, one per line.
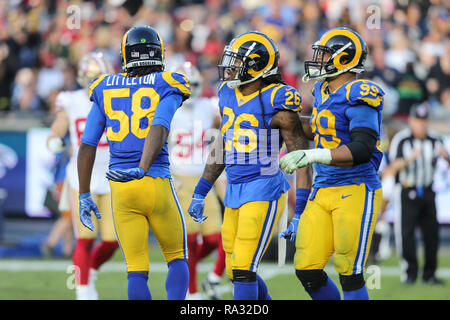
358, 103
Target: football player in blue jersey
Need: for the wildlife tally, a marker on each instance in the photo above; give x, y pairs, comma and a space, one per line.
342, 209
131, 106
259, 113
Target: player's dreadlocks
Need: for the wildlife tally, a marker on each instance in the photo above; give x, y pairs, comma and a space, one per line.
142, 71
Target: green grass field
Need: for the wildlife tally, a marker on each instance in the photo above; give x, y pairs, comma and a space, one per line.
50, 280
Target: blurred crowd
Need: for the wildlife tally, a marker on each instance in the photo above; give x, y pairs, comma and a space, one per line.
41, 42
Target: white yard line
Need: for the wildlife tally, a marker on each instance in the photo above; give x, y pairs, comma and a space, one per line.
266, 270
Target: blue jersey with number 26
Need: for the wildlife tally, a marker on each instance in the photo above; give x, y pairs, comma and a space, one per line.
128, 106
251, 146
358, 103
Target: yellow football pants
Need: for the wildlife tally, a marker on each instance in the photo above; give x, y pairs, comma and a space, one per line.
105, 224
185, 190
247, 231
338, 220
142, 204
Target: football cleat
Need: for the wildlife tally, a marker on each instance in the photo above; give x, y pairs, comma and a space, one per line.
211, 289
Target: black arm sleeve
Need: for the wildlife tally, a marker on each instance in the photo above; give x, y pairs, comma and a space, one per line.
362, 145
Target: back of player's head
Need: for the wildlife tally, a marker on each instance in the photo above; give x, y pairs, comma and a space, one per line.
142, 51
338, 51
92, 66
250, 56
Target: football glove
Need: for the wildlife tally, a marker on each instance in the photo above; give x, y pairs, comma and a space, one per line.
196, 208
301, 158
291, 232
87, 205
301, 199
125, 175
56, 145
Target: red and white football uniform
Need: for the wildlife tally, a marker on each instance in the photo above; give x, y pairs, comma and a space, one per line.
76, 104
72, 109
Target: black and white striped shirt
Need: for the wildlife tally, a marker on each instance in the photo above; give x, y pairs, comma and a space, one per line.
420, 172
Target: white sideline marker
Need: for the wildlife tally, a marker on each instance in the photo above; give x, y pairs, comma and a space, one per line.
282, 225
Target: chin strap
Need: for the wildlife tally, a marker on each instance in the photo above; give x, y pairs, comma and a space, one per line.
236, 83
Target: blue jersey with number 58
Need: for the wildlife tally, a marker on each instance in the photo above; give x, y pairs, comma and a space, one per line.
358, 103
128, 106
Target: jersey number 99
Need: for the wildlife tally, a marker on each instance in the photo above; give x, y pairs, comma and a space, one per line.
324, 136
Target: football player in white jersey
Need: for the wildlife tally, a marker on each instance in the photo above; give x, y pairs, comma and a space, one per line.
72, 110
193, 126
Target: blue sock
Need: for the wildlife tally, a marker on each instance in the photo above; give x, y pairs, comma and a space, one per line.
327, 292
358, 294
245, 290
263, 292
137, 286
177, 279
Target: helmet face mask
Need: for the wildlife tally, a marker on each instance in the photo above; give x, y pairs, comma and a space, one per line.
230, 67
248, 57
92, 66
315, 68
339, 50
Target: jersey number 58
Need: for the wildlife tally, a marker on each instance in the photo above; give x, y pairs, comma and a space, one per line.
130, 123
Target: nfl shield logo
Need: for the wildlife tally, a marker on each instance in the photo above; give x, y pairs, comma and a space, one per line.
152, 53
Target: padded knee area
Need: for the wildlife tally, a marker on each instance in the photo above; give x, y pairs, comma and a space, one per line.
312, 280
244, 276
352, 282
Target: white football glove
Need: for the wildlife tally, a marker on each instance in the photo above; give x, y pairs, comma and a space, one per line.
55, 145
301, 158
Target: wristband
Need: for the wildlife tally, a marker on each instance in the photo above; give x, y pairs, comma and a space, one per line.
301, 200
203, 187
320, 156
85, 195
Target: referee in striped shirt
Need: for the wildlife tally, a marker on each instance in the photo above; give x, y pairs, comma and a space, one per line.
414, 199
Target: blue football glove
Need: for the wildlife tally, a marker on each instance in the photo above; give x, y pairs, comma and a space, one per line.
291, 232
301, 195
87, 205
125, 175
196, 208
